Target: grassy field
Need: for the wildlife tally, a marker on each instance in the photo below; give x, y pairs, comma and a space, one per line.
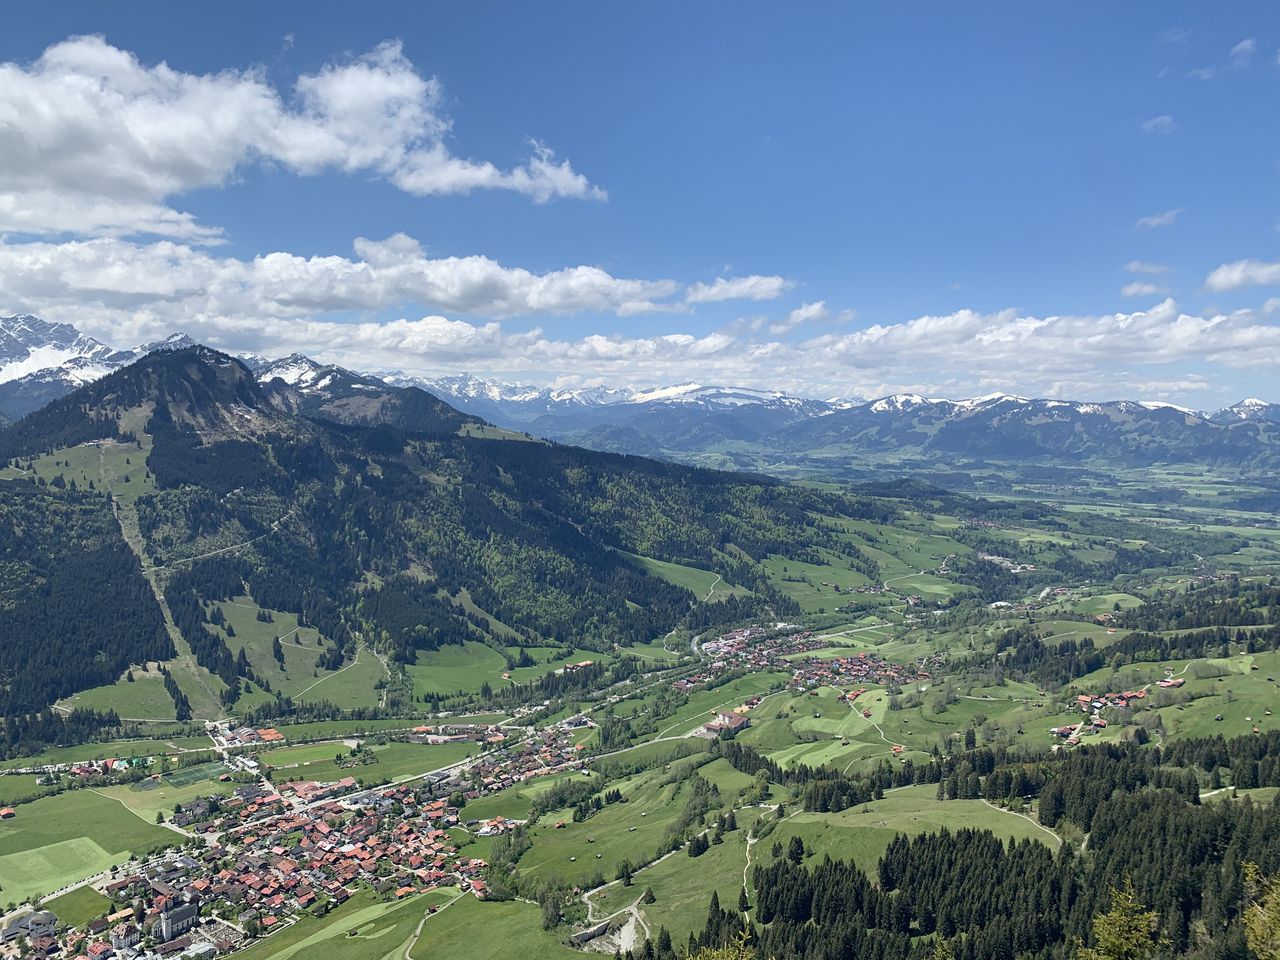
18, 787
862, 833
363, 928
495, 931
632, 831
159, 796
143, 699
79, 906
457, 667
59, 840
118, 467
682, 886
703, 584
394, 760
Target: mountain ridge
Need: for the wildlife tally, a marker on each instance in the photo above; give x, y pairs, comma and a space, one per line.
691, 420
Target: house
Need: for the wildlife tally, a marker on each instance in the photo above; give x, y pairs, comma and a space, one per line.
7, 813
125, 935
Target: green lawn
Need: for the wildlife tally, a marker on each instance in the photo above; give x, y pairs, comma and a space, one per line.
58, 840
20, 787
704, 584
682, 885
621, 831
79, 906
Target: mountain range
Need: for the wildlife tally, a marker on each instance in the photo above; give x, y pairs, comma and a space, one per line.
370, 512
719, 425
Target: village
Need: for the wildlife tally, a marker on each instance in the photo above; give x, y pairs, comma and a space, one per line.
258, 860
758, 649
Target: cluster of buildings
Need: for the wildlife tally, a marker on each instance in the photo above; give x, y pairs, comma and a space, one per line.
1011, 565
225, 735
262, 876
756, 649
1092, 706
861, 668
551, 750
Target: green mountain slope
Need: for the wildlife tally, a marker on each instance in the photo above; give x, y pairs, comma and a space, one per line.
392, 538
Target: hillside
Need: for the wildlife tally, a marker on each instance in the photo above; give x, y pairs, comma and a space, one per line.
382, 539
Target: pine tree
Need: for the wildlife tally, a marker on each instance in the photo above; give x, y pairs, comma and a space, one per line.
1125, 932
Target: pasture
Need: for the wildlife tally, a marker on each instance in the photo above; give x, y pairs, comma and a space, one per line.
58, 840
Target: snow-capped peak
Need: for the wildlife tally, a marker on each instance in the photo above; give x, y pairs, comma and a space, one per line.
902, 401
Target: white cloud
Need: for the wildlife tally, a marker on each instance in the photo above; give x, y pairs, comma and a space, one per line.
1166, 219
177, 281
125, 293
754, 287
1203, 73
1242, 53
1243, 273
1140, 289
96, 142
1145, 266
1161, 124
1178, 35
805, 313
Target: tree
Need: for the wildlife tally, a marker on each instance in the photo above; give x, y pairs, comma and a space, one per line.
795, 850
743, 903
1262, 915
1126, 931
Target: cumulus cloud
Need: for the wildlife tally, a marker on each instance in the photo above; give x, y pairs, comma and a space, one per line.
754, 287
179, 280
335, 308
1243, 273
1161, 124
96, 142
1166, 219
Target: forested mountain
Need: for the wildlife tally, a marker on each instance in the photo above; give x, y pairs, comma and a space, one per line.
396, 527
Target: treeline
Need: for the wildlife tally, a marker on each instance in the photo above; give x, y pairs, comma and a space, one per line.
75, 609
987, 898
1022, 652
1252, 760
27, 735
1228, 603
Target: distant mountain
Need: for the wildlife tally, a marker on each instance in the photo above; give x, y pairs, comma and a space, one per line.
1251, 409
737, 427
41, 361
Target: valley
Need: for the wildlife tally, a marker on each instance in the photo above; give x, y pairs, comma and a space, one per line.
376, 681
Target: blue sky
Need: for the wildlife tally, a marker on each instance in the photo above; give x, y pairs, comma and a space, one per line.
956, 200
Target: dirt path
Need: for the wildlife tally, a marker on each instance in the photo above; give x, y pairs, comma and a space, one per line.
1036, 823
417, 931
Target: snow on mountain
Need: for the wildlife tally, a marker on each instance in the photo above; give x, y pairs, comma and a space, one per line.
1248, 409
900, 401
